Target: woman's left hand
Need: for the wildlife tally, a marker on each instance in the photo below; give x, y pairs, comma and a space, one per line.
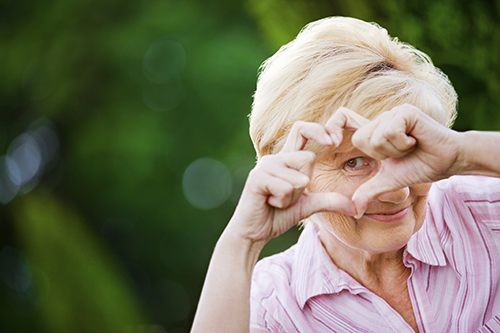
413, 148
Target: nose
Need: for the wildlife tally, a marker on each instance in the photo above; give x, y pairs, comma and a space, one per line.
395, 197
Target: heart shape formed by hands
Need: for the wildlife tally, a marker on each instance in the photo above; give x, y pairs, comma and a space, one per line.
410, 147
413, 148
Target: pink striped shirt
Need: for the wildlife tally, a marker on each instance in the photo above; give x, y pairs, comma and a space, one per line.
454, 284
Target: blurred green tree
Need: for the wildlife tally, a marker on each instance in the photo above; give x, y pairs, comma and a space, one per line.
139, 91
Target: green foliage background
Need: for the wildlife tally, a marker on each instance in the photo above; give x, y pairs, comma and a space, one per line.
107, 241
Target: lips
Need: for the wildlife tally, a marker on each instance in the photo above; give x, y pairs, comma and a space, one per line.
389, 216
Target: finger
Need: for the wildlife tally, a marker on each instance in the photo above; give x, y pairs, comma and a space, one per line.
294, 177
391, 131
362, 139
367, 192
297, 179
295, 168
301, 132
383, 144
279, 192
321, 202
302, 161
396, 132
384, 137
344, 118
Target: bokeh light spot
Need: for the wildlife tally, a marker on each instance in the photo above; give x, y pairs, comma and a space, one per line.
163, 60
25, 159
207, 183
47, 140
28, 156
8, 189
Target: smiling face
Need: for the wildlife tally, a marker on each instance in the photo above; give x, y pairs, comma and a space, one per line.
389, 221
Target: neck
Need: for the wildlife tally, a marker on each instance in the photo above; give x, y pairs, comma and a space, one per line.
382, 273
376, 271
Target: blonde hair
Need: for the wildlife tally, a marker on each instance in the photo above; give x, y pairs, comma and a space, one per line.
340, 61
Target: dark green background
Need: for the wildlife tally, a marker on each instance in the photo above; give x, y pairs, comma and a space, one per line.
105, 239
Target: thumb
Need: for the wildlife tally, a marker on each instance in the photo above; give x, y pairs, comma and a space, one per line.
322, 202
370, 190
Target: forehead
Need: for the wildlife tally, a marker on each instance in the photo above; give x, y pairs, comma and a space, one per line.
346, 146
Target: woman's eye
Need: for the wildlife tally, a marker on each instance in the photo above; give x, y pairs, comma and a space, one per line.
355, 162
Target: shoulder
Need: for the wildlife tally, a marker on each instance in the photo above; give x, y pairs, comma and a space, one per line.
465, 209
469, 188
282, 283
272, 277
275, 267
271, 282
478, 196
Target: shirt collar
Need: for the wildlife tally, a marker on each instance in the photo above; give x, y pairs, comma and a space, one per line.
314, 273
425, 244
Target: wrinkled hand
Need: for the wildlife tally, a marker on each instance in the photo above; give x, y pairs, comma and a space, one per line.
273, 199
414, 149
412, 146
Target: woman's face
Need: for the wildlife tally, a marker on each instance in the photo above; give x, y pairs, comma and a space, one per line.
388, 222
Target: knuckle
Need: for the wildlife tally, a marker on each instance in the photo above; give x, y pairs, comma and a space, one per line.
308, 156
286, 189
334, 119
268, 160
298, 125
357, 139
253, 175
283, 190
342, 111
377, 142
275, 201
252, 172
386, 114
284, 201
281, 201
408, 108
391, 134
265, 159
303, 181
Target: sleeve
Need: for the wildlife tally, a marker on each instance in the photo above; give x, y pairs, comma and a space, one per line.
262, 290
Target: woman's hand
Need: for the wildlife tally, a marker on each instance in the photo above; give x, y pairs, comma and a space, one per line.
273, 199
412, 146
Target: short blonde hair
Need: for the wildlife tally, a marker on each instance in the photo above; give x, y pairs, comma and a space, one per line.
340, 61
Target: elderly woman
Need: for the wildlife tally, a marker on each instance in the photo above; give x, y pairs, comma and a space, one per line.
352, 128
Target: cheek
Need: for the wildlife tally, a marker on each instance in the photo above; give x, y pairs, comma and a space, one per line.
420, 208
421, 191
341, 226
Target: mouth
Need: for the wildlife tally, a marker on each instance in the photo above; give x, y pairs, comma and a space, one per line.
389, 216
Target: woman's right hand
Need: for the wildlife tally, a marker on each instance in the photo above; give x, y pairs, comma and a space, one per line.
273, 199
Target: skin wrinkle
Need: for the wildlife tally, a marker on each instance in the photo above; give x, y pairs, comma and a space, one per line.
370, 251
372, 238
